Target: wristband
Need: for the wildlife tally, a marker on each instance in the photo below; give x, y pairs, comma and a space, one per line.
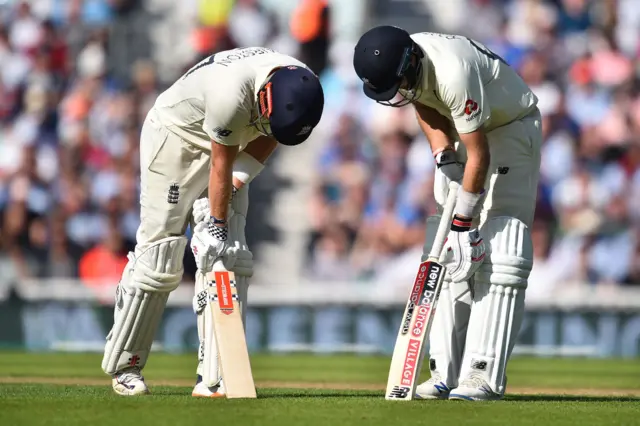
439, 150
214, 220
246, 168
459, 224
469, 204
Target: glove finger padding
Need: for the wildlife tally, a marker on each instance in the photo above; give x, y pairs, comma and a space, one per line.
229, 258
244, 263
200, 210
203, 258
463, 254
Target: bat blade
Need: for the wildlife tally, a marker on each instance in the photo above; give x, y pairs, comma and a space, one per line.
408, 352
230, 337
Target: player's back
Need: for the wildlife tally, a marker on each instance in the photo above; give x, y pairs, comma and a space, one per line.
455, 58
224, 80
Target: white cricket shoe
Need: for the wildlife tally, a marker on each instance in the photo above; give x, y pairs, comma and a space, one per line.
129, 382
434, 388
474, 388
201, 390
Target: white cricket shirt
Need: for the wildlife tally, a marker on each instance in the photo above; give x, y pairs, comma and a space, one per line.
470, 85
216, 99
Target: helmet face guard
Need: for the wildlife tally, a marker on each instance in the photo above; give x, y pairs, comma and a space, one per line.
265, 109
410, 74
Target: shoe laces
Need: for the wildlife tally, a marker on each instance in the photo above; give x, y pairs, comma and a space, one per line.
128, 374
474, 380
435, 378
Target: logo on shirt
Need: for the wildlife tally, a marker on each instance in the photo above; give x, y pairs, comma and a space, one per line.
471, 109
222, 133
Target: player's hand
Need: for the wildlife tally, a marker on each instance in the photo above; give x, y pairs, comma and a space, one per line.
464, 250
449, 165
209, 243
243, 266
201, 210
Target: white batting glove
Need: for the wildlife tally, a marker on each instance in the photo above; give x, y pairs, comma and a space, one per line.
209, 243
244, 263
463, 252
449, 166
201, 210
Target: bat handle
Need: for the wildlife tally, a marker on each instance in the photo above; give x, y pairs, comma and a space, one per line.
445, 221
218, 265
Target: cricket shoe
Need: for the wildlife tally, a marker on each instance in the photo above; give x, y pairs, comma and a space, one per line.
434, 388
474, 388
201, 390
129, 382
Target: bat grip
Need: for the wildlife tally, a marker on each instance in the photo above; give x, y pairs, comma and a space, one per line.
445, 221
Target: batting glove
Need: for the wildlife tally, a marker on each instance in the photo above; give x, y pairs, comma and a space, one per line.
449, 166
210, 243
464, 250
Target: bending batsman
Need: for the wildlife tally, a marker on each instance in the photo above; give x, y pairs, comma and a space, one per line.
208, 134
484, 128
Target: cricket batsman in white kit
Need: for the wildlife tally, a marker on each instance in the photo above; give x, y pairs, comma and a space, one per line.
484, 128
208, 135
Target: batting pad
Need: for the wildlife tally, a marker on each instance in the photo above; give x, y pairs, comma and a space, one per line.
498, 303
141, 297
208, 360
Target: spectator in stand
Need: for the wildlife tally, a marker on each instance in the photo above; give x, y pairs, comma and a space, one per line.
103, 264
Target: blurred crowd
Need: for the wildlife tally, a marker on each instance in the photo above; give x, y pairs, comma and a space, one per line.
581, 58
77, 78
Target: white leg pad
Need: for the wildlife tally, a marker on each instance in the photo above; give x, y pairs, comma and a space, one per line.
498, 304
141, 297
208, 362
447, 337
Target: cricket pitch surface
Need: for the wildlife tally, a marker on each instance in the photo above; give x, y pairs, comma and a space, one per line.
306, 389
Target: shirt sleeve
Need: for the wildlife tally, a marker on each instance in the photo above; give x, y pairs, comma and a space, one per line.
227, 114
462, 91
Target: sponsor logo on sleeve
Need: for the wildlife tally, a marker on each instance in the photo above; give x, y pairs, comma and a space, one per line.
222, 133
471, 109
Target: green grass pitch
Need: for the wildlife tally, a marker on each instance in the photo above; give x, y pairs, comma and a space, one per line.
70, 389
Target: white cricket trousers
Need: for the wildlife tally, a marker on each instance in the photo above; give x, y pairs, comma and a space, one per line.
173, 175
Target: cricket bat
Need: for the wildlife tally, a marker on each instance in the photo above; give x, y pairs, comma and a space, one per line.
408, 352
232, 343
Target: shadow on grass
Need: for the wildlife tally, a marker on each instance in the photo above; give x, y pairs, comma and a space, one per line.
572, 398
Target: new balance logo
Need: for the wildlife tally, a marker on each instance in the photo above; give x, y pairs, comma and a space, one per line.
441, 387
399, 392
222, 133
503, 170
174, 194
478, 365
